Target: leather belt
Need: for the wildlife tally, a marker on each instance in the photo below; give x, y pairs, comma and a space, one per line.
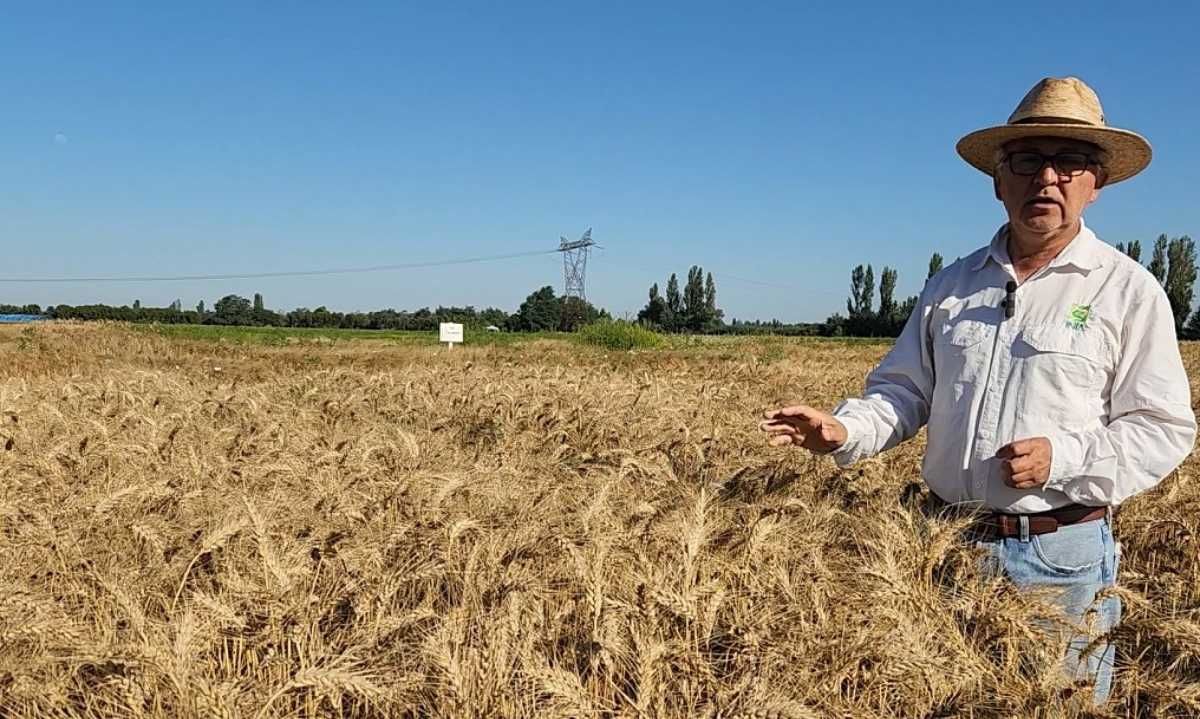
996, 525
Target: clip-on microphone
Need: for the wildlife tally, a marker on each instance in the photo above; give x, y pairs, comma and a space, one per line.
1010, 299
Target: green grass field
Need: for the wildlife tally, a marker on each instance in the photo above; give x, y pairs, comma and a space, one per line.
292, 335
280, 336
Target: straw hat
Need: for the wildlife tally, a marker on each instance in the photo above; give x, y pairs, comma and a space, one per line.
1060, 107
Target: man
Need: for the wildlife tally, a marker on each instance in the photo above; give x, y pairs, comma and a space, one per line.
1045, 364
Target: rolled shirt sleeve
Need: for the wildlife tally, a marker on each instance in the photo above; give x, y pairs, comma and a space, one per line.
1151, 427
895, 404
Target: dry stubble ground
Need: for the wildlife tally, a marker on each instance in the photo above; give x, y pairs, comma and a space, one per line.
194, 529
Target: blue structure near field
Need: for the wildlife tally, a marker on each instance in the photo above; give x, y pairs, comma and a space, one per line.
17, 319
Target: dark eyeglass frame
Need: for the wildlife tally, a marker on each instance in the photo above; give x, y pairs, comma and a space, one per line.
1056, 161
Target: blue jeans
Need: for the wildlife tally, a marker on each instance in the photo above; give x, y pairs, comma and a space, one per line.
1074, 563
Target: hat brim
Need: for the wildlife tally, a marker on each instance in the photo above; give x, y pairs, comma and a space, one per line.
1128, 152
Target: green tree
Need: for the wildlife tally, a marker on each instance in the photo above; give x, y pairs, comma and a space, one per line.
674, 304
1193, 327
30, 309
835, 326
1158, 261
712, 314
887, 301
200, 308
262, 316
576, 313
906, 309
492, 316
322, 317
656, 312
868, 289
137, 304
1133, 250
861, 318
693, 300
233, 310
541, 311
854, 303
935, 266
1180, 278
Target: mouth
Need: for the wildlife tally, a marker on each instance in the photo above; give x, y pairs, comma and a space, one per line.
1043, 203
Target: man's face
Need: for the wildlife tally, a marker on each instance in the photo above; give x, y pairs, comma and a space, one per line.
1048, 200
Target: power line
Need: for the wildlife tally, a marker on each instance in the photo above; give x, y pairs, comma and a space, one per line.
296, 273
722, 275
339, 271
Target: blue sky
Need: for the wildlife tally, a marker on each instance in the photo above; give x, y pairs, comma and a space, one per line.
776, 145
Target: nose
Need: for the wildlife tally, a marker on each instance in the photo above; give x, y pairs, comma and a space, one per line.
1047, 175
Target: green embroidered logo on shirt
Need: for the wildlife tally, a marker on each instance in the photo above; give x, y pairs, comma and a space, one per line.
1078, 316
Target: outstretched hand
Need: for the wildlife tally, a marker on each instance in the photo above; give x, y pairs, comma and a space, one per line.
805, 427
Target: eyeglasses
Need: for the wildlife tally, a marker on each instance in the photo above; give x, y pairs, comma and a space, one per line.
1066, 164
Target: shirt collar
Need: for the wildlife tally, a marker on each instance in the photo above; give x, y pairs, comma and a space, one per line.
1082, 252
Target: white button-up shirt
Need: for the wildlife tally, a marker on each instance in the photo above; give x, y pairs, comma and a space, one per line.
1089, 359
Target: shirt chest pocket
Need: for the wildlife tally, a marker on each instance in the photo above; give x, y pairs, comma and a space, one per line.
1061, 360
961, 354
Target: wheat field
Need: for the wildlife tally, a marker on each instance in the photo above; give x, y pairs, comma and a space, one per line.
363, 529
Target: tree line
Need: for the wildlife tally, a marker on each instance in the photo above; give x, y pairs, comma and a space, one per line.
862, 319
20, 309
542, 310
692, 308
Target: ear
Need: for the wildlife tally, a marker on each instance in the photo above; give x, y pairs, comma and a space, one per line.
996, 187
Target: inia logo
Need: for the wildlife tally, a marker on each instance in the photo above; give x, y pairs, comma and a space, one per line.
1077, 318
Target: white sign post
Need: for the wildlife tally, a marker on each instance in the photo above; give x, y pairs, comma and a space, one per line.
450, 332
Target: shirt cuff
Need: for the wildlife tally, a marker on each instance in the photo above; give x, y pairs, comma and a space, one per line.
851, 450
1065, 462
